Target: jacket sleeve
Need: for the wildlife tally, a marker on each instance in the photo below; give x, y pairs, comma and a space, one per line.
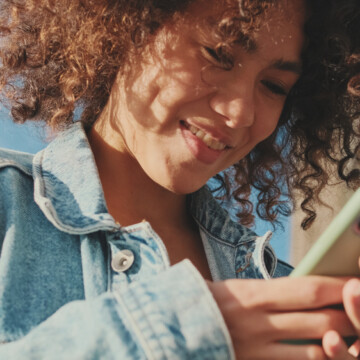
169, 316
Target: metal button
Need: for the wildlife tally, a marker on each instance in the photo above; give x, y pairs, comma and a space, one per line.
122, 260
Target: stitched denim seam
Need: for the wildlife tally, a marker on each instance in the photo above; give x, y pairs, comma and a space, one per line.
137, 330
23, 169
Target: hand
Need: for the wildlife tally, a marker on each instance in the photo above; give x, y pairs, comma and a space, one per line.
261, 313
333, 344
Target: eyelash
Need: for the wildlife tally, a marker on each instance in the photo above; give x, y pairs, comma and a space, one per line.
275, 88
225, 61
271, 86
211, 52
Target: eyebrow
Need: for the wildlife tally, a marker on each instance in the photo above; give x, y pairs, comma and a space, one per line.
293, 66
250, 45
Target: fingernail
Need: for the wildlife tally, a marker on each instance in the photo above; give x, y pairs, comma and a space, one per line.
333, 339
352, 287
355, 288
332, 342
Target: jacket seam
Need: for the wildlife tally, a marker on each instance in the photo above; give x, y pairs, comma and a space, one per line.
145, 346
217, 313
12, 164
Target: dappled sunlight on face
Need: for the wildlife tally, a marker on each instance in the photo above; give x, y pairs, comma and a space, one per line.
184, 115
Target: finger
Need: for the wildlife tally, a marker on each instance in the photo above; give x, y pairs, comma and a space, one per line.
354, 349
334, 346
351, 295
278, 351
310, 292
286, 294
309, 325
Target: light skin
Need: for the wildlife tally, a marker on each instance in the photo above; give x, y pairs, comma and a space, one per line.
259, 314
168, 94
334, 345
177, 119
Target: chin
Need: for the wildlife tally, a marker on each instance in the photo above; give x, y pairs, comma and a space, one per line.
178, 181
183, 187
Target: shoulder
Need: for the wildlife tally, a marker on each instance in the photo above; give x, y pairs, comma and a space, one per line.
15, 160
234, 250
16, 180
16, 188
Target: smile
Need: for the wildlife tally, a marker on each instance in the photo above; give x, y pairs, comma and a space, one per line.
206, 138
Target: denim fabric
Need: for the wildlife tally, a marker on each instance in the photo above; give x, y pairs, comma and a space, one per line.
60, 298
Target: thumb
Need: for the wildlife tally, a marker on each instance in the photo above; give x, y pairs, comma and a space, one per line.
351, 298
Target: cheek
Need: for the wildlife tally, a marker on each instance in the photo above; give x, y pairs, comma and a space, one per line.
266, 121
174, 95
182, 88
262, 130
181, 79
140, 92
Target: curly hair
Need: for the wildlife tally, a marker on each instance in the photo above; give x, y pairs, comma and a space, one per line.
319, 129
57, 57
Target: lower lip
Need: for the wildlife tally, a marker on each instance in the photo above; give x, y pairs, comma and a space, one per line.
198, 148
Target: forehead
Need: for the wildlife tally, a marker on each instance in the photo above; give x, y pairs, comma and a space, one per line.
250, 13
274, 33
243, 22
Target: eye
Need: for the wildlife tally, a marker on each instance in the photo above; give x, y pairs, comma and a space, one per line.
218, 57
275, 88
210, 53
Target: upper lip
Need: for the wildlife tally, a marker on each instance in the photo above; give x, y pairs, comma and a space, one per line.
214, 133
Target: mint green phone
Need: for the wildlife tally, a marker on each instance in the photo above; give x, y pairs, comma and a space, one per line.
337, 250
335, 253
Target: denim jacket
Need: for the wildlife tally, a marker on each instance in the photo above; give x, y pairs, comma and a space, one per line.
74, 284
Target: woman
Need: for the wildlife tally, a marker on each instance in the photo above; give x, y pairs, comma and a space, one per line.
96, 228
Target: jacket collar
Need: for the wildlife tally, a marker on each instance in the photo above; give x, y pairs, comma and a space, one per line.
215, 220
69, 192
67, 186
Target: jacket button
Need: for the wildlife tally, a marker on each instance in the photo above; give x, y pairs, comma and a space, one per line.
122, 260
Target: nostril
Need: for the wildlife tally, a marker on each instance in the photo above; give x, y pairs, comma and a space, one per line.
238, 111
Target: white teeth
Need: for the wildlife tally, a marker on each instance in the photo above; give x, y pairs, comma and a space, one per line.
193, 129
200, 134
207, 139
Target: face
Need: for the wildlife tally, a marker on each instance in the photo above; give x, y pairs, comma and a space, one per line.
184, 117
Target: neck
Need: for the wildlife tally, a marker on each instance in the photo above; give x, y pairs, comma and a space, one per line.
131, 196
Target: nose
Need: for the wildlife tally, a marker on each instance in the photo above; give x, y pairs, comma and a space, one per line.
236, 107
